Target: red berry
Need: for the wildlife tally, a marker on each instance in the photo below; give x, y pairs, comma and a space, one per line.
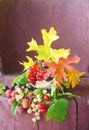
20, 110
46, 97
43, 110
41, 106
35, 73
8, 93
35, 64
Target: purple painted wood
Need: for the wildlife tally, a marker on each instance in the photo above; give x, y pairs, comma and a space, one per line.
11, 122
68, 124
83, 107
24, 122
83, 113
21, 20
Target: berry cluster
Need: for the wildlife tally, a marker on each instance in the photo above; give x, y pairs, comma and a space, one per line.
36, 73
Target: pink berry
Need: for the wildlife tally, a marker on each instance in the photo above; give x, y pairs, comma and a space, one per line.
20, 110
10, 101
16, 87
30, 95
8, 93
13, 94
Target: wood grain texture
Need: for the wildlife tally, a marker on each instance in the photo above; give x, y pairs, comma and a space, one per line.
24, 122
23, 19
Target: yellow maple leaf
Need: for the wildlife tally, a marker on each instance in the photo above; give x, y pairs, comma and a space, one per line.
49, 37
74, 76
61, 53
28, 63
32, 45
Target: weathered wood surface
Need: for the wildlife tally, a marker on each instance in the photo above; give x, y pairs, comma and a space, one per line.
24, 122
21, 20
83, 113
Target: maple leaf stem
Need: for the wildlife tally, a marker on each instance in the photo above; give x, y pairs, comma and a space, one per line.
55, 95
62, 89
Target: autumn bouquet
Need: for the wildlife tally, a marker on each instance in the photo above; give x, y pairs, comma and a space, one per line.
41, 87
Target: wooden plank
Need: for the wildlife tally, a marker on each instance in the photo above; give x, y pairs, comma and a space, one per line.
83, 113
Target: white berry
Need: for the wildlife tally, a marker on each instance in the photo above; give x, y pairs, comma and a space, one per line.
39, 99
44, 91
29, 111
37, 113
35, 100
38, 117
34, 119
34, 109
33, 105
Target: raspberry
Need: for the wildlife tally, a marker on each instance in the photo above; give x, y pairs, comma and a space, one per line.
20, 110
10, 101
25, 103
13, 94
16, 87
8, 93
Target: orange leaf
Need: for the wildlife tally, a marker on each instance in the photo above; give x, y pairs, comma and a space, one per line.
63, 71
69, 60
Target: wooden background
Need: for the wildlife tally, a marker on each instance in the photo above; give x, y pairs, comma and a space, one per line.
20, 20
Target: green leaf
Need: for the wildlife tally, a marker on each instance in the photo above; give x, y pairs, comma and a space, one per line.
66, 84
1, 89
16, 79
21, 79
26, 91
38, 92
58, 110
14, 107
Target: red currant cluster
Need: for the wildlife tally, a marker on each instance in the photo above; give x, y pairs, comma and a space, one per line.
35, 73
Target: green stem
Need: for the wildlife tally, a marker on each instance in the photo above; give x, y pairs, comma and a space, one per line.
55, 94
62, 89
60, 86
